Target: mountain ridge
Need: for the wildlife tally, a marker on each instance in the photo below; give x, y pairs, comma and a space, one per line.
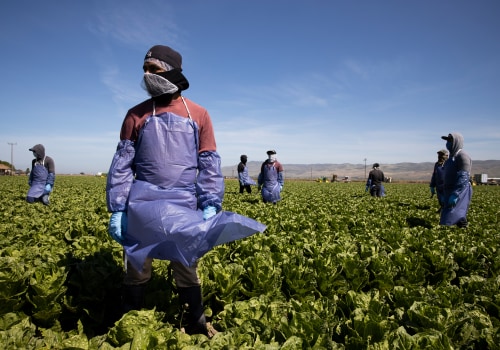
404, 171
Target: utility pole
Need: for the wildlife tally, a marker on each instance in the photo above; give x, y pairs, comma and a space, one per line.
11, 157
365, 167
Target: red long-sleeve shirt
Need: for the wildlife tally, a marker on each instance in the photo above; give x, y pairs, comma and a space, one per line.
137, 115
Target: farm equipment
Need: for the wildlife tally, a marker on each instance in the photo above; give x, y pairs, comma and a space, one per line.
336, 178
483, 179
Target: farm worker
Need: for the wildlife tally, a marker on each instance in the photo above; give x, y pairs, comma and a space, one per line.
165, 188
245, 180
437, 179
375, 181
271, 178
457, 186
42, 176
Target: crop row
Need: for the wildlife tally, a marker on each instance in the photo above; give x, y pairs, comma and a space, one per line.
335, 269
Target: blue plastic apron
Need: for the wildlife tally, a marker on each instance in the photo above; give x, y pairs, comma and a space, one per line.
38, 180
163, 220
270, 188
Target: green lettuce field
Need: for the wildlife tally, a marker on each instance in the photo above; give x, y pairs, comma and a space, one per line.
335, 269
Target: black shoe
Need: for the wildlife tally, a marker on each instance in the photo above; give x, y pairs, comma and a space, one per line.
45, 199
192, 309
133, 297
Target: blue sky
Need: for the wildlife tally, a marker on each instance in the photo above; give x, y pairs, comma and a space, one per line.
326, 81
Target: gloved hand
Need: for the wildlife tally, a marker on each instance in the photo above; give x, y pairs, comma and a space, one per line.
433, 190
452, 201
208, 212
367, 188
281, 188
118, 226
47, 189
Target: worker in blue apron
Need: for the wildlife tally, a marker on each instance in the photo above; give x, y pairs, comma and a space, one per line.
165, 189
271, 178
457, 186
42, 176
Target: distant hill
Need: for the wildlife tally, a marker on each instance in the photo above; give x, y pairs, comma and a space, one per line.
398, 171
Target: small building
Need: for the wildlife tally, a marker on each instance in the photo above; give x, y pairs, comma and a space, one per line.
4, 169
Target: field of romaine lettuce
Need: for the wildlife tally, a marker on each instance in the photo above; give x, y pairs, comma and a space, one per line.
335, 269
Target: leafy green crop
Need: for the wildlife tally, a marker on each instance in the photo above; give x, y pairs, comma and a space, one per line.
335, 269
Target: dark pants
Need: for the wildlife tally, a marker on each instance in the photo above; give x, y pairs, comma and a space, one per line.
43, 199
376, 191
248, 188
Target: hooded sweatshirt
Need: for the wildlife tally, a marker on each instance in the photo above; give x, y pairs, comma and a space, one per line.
458, 167
456, 183
47, 161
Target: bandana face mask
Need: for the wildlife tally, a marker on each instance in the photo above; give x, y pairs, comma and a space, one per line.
157, 85
449, 145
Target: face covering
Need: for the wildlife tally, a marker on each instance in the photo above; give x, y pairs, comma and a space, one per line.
34, 154
449, 145
272, 158
176, 77
157, 85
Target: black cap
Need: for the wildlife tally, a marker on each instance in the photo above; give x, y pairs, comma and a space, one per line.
165, 54
36, 147
376, 165
271, 151
447, 138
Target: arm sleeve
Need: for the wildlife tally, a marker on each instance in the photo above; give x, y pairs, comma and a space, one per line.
463, 173
30, 179
210, 182
433, 177
50, 165
51, 179
461, 182
120, 176
241, 178
51, 168
260, 178
281, 178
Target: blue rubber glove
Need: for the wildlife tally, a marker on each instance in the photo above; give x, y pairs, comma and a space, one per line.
281, 188
452, 201
118, 226
433, 190
48, 189
208, 212
367, 188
